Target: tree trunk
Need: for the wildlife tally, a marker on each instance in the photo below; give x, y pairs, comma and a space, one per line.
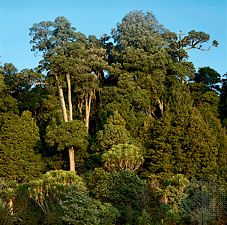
80, 107
65, 116
62, 100
10, 206
71, 159
69, 97
161, 106
88, 110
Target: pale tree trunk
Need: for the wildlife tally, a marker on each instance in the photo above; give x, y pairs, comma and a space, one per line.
161, 106
80, 107
66, 118
164, 199
62, 100
69, 97
88, 109
71, 150
10, 206
71, 159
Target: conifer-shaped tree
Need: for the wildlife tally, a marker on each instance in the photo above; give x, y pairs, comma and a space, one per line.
113, 133
18, 146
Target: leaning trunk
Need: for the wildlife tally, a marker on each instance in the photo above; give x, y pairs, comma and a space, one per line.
69, 97
71, 159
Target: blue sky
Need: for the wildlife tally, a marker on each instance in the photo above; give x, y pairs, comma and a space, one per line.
100, 16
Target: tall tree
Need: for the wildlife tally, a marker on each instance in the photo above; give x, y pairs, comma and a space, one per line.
139, 86
182, 139
70, 135
179, 44
84, 62
139, 63
139, 30
48, 37
205, 93
209, 78
88, 75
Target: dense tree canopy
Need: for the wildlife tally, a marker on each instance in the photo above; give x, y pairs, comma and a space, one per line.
138, 126
19, 141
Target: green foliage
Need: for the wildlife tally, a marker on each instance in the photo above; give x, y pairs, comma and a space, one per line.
66, 135
45, 194
113, 133
7, 194
47, 35
170, 192
8, 103
218, 134
98, 183
133, 119
144, 218
122, 157
182, 141
62, 196
19, 139
124, 192
179, 44
203, 204
123, 189
223, 101
140, 104
202, 147
140, 30
80, 209
208, 77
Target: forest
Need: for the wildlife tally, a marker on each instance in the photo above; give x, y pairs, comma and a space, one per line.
116, 130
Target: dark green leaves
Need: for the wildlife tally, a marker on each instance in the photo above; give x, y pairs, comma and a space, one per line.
73, 133
19, 139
